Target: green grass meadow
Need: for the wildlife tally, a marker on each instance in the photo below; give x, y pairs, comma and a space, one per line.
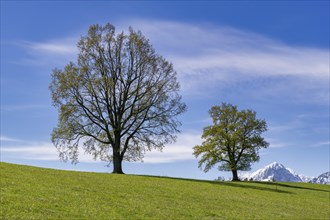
37, 193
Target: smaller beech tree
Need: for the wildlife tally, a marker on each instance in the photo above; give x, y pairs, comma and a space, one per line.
233, 140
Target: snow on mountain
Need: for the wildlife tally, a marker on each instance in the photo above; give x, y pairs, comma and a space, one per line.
278, 172
322, 179
274, 171
306, 179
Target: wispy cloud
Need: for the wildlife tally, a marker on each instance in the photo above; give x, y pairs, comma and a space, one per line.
49, 53
227, 48
8, 139
322, 144
298, 131
274, 143
60, 47
179, 151
38, 151
285, 127
208, 56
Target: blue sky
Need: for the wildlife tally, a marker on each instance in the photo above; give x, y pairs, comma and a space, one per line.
272, 57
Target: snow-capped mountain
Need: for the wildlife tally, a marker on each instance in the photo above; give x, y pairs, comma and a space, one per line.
274, 171
306, 179
322, 179
278, 172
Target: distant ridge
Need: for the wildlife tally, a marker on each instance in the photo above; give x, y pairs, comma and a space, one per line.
278, 172
322, 179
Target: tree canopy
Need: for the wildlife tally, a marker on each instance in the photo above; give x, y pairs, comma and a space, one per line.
233, 140
117, 101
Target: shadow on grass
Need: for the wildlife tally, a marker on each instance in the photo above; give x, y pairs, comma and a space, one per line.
246, 185
292, 186
264, 186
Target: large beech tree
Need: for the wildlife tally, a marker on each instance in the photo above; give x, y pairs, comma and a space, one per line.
117, 101
233, 140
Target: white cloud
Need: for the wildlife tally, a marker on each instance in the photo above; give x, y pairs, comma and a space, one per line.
51, 53
56, 47
208, 57
285, 127
322, 144
179, 151
8, 139
27, 150
40, 151
274, 143
202, 47
64, 47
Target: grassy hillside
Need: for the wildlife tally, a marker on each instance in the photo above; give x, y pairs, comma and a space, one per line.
37, 193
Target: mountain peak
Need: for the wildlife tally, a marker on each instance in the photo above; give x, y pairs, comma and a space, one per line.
278, 172
322, 179
275, 165
274, 171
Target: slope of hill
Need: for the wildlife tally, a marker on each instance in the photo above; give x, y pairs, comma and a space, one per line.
38, 193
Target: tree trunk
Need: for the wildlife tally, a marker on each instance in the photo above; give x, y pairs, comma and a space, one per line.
117, 162
117, 158
235, 176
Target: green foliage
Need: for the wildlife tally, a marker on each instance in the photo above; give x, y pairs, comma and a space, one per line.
36, 193
233, 140
119, 99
